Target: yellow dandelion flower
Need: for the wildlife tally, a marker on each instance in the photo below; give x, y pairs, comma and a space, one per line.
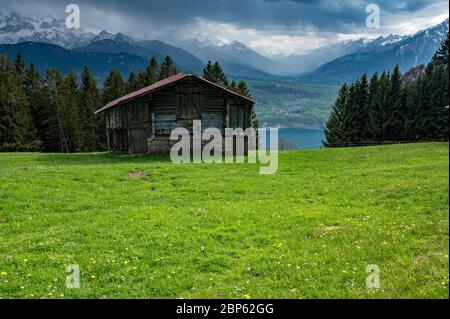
93, 276
247, 296
3, 273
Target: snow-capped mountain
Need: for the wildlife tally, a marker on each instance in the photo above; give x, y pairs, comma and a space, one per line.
409, 52
238, 54
325, 64
119, 37
311, 60
106, 42
16, 28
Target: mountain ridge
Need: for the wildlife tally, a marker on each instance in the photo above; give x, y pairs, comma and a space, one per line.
331, 64
44, 55
407, 53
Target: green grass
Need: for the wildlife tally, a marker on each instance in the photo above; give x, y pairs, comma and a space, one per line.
142, 227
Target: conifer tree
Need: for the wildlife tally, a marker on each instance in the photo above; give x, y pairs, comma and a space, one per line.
219, 75
349, 116
20, 67
152, 72
243, 89
395, 108
334, 126
441, 56
214, 73
134, 83
360, 118
371, 107
378, 111
208, 72
440, 92
428, 100
233, 86
168, 68
70, 112
92, 127
17, 132
56, 135
33, 86
113, 87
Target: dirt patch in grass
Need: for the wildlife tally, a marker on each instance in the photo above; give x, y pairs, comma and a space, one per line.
427, 258
328, 228
137, 174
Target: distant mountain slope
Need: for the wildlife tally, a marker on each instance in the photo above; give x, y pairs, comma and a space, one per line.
186, 60
238, 53
248, 56
15, 28
410, 52
48, 55
237, 60
120, 43
307, 62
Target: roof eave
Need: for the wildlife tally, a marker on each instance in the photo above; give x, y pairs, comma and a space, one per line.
131, 96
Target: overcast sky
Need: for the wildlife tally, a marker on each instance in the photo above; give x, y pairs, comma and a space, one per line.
269, 26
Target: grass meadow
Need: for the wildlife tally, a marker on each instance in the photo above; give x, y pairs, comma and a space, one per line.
142, 227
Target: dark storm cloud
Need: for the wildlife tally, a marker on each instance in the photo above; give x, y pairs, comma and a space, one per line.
266, 15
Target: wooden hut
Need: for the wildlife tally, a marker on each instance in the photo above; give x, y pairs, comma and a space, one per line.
141, 122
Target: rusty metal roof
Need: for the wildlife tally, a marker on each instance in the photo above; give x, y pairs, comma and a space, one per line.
171, 80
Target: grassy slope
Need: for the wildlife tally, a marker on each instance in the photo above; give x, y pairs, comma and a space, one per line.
223, 230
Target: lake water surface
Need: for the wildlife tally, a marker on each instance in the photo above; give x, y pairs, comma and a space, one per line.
305, 139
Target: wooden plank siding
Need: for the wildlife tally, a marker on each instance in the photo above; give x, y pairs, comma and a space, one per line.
131, 125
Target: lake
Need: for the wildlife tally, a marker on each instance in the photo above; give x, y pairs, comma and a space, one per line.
301, 139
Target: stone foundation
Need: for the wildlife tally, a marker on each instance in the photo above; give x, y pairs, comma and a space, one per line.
160, 145
163, 145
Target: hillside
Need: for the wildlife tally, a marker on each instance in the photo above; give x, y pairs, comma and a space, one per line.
48, 55
292, 104
407, 53
141, 227
120, 43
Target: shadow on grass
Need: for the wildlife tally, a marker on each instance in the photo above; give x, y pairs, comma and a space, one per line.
99, 159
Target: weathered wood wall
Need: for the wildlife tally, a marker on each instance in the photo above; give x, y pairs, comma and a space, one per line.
131, 125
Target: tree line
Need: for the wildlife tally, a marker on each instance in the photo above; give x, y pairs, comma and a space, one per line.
55, 112
391, 107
